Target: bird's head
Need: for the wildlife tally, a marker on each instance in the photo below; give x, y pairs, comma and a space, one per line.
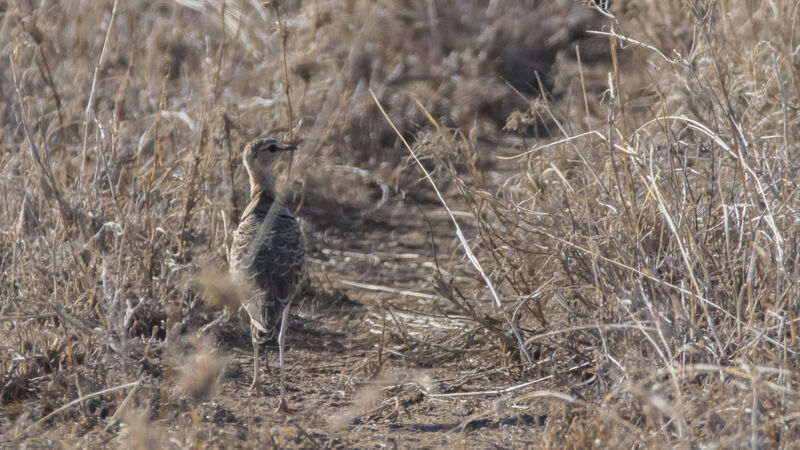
259, 158
261, 154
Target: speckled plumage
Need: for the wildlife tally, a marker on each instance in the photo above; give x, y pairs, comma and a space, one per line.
275, 262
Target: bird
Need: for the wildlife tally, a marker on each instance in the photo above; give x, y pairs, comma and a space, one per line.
267, 252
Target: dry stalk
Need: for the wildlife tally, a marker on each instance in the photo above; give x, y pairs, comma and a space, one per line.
87, 114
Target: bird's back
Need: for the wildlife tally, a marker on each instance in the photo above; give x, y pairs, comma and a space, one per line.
268, 249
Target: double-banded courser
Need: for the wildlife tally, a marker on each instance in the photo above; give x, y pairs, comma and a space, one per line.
268, 251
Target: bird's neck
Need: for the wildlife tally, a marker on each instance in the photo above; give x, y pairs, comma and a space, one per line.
261, 185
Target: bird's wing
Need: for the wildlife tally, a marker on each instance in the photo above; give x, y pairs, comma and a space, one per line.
288, 255
254, 311
251, 207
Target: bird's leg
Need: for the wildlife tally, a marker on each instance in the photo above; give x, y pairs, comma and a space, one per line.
255, 362
283, 406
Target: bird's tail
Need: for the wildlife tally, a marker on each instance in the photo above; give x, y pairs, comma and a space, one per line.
264, 318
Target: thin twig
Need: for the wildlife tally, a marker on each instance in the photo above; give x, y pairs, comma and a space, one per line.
490, 392
81, 399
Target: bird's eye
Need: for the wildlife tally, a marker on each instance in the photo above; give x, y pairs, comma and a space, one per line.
272, 148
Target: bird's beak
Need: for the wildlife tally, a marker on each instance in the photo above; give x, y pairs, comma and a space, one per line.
287, 148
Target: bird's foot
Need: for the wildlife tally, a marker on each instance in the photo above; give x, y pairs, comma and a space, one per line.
283, 406
251, 392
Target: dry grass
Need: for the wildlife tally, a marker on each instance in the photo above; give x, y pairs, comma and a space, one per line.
625, 271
